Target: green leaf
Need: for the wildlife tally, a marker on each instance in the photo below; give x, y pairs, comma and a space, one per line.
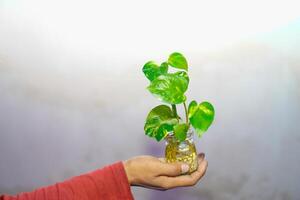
165, 66
202, 117
192, 108
180, 131
159, 122
152, 70
170, 88
177, 60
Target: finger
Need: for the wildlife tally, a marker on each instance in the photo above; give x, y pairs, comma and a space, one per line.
200, 172
173, 169
201, 157
176, 169
184, 180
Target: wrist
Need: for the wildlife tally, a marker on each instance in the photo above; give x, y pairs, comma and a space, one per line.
128, 166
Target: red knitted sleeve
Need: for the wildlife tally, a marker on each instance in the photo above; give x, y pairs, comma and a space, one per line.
107, 183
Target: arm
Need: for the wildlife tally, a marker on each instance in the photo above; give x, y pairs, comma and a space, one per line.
108, 183
113, 182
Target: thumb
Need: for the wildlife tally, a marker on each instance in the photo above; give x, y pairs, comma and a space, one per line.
174, 169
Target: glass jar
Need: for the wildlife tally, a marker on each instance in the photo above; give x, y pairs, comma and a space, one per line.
184, 151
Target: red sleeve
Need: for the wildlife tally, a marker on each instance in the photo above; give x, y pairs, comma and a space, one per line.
108, 183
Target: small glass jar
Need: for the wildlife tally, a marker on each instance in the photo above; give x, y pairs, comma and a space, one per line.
184, 151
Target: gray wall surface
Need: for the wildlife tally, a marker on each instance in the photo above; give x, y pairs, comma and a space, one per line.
71, 103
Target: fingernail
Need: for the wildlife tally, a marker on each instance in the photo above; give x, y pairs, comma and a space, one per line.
184, 168
201, 155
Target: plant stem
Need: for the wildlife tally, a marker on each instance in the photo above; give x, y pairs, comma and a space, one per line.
175, 111
186, 113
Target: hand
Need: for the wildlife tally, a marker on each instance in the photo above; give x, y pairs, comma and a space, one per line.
152, 172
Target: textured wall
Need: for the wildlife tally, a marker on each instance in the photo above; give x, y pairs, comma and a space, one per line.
70, 103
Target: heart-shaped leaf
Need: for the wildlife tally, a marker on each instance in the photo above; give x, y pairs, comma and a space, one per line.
192, 108
159, 122
180, 131
152, 70
170, 88
202, 117
177, 60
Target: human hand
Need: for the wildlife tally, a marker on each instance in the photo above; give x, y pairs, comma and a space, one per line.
152, 172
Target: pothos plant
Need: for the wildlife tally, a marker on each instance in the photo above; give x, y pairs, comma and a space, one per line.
170, 88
